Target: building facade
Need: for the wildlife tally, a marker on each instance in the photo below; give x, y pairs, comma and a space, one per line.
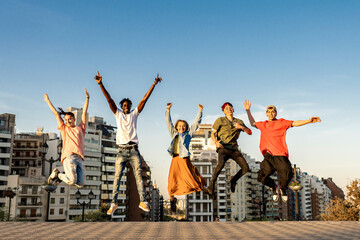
7, 131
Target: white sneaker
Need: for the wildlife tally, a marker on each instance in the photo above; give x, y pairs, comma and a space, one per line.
275, 196
284, 196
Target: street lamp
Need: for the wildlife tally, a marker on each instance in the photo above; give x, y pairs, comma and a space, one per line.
296, 187
10, 194
50, 188
91, 196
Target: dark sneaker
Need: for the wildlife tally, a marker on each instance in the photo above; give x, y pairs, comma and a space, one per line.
54, 175
284, 196
56, 182
173, 205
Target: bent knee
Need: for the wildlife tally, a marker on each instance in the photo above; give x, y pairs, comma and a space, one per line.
245, 169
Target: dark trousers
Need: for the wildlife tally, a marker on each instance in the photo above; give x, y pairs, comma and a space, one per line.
225, 154
281, 165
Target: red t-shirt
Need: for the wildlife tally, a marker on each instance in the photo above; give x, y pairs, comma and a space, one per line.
273, 134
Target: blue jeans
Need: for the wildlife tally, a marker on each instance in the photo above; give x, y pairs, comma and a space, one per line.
74, 171
124, 156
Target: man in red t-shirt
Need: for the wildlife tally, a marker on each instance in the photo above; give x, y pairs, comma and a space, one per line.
273, 147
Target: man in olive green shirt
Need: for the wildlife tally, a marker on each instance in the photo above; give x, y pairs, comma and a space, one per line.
226, 131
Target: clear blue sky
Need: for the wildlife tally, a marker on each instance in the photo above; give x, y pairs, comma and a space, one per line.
302, 56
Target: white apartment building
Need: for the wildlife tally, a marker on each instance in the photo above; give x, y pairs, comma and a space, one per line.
322, 194
200, 207
305, 200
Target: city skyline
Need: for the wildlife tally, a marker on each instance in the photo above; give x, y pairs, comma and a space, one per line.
301, 57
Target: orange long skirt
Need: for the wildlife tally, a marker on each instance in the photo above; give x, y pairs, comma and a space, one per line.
184, 178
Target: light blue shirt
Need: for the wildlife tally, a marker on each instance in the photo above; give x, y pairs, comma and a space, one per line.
184, 138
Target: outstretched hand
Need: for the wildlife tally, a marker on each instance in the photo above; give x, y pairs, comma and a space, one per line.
46, 98
98, 78
200, 107
157, 79
247, 105
86, 93
315, 119
168, 106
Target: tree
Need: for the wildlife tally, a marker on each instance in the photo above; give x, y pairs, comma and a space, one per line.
345, 210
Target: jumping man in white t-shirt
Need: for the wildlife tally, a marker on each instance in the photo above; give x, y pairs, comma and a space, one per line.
127, 141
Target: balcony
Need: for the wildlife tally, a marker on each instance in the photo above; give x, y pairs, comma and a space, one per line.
29, 205
29, 215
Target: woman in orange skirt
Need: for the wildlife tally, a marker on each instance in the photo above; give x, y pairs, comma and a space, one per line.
184, 178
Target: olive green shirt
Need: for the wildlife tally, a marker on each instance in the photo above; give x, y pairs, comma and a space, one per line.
227, 133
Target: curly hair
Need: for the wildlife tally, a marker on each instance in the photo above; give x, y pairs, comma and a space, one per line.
125, 100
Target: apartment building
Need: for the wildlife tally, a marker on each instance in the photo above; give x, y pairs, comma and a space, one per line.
108, 158
30, 199
92, 164
7, 131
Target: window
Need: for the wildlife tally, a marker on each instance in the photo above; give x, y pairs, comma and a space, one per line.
2, 122
62, 190
61, 211
52, 211
62, 200
52, 200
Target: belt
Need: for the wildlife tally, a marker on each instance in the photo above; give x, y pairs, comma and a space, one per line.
135, 146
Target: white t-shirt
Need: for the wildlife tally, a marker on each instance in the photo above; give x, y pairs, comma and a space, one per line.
126, 126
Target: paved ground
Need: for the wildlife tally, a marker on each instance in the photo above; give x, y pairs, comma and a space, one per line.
180, 230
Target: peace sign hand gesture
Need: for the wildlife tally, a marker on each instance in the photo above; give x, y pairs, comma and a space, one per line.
157, 79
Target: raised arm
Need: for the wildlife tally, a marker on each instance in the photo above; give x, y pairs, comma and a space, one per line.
247, 106
85, 108
59, 120
304, 122
197, 121
169, 124
141, 105
111, 102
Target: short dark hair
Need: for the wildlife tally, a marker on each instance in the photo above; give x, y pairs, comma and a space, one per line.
70, 114
179, 121
225, 104
125, 100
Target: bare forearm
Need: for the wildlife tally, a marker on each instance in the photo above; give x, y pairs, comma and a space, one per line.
247, 130
85, 108
300, 123
213, 137
108, 98
145, 98
251, 118
57, 116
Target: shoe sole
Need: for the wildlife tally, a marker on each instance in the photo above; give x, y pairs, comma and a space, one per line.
144, 209
111, 212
